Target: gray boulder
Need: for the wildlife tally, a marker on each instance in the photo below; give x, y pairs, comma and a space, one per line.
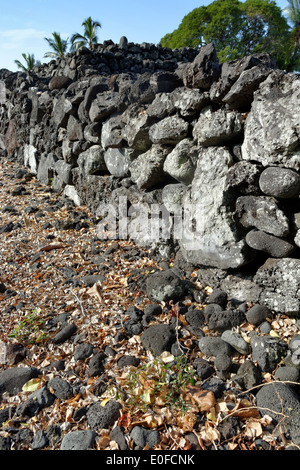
241, 93
13, 379
169, 130
104, 105
158, 338
62, 175
210, 237
232, 70
267, 351
163, 286
91, 161
263, 213
280, 280
136, 129
236, 341
281, 183
213, 346
78, 440
147, 169
142, 437
217, 127
273, 124
244, 176
92, 133
274, 246
282, 404
111, 132
102, 417
204, 70
189, 101
181, 162
248, 375
117, 161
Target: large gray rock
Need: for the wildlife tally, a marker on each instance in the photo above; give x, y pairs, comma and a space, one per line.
244, 176
111, 132
162, 106
46, 168
280, 280
263, 213
274, 246
169, 130
281, 183
241, 93
102, 417
62, 175
158, 338
136, 129
78, 440
92, 161
273, 125
282, 404
117, 161
204, 70
13, 379
74, 129
217, 127
233, 70
267, 351
212, 239
61, 112
181, 162
31, 158
163, 286
104, 105
189, 102
147, 169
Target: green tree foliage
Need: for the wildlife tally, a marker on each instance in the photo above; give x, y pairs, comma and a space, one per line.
89, 36
30, 62
293, 14
237, 28
58, 45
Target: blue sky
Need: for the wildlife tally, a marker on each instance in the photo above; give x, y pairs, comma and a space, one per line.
25, 24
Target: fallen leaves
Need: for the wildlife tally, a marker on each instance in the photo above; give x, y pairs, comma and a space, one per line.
204, 399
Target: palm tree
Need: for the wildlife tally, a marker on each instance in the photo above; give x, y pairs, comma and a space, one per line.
293, 13
58, 45
89, 36
29, 60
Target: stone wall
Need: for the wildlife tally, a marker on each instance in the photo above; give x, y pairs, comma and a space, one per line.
214, 149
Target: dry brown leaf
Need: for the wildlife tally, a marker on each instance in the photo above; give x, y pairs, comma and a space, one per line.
205, 399
53, 246
209, 433
94, 291
186, 421
244, 410
253, 428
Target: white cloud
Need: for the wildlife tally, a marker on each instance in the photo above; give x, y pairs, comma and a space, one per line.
14, 38
13, 42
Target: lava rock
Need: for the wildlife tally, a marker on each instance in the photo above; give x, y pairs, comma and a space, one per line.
258, 314
248, 375
78, 440
158, 338
282, 183
13, 379
163, 286
213, 346
102, 417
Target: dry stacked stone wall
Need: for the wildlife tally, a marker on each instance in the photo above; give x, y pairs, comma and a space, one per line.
174, 130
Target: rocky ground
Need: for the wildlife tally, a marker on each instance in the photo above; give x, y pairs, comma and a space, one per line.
88, 360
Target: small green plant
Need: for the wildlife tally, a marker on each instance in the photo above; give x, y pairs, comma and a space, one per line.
30, 329
160, 383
